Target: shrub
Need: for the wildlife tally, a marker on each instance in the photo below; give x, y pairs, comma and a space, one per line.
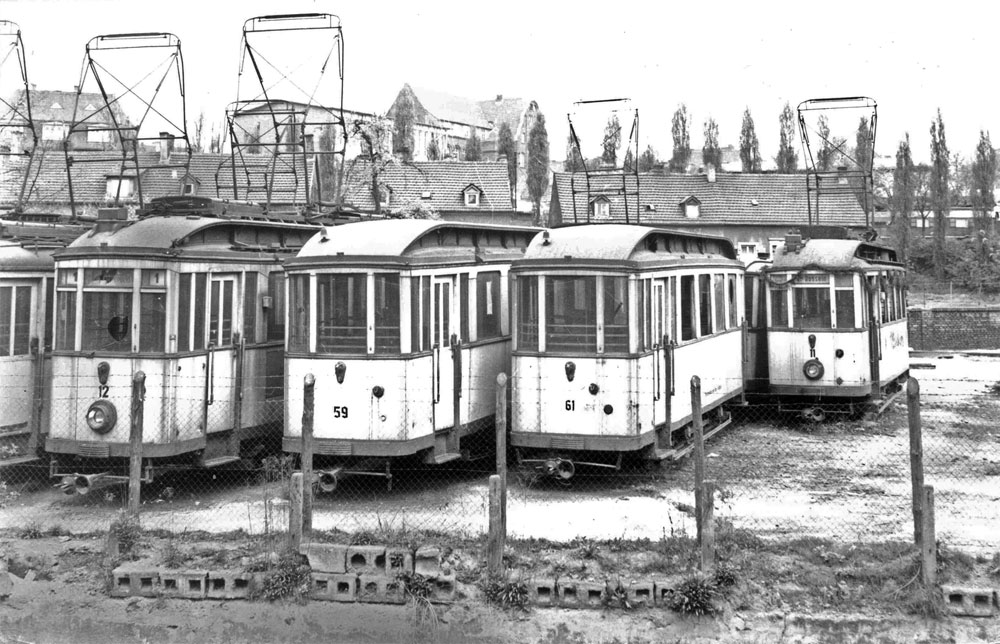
694, 596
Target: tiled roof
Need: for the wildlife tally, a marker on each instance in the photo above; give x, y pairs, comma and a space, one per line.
444, 180
503, 110
734, 198
57, 105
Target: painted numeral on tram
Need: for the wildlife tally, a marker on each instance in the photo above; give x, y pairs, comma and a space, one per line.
340, 411
570, 405
102, 391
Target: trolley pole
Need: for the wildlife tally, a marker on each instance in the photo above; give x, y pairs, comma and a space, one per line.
135, 443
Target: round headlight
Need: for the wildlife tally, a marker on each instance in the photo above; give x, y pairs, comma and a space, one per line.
102, 416
813, 369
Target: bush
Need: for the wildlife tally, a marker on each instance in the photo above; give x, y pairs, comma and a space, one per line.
288, 578
506, 593
694, 596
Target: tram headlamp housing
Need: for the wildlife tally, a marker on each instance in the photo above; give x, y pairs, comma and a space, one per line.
102, 416
813, 369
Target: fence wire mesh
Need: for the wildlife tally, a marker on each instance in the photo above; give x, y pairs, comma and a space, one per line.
846, 479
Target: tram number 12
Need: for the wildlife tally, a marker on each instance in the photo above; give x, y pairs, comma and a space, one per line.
102, 391
340, 411
570, 405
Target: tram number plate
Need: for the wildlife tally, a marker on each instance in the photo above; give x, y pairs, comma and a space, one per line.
102, 391
340, 411
570, 405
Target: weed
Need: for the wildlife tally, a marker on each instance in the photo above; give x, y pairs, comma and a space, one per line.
126, 531
955, 565
617, 597
994, 569
33, 530
288, 578
58, 531
725, 575
172, 556
587, 549
694, 596
926, 602
220, 557
364, 538
506, 593
414, 585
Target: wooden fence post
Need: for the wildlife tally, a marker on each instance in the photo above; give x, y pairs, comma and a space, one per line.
308, 416
135, 444
699, 459
501, 427
928, 546
708, 527
295, 512
916, 456
497, 537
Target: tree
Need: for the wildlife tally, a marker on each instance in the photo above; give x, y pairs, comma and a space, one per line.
507, 148
199, 133
473, 148
574, 161
403, 125
788, 158
538, 165
940, 192
682, 139
903, 195
984, 172
824, 157
863, 146
749, 146
327, 184
374, 133
433, 149
960, 180
648, 160
629, 164
711, 153
612, 139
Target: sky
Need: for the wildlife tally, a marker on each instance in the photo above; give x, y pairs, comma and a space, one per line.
718, 58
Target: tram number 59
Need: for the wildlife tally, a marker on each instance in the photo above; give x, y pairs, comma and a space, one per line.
570, 405
340, 411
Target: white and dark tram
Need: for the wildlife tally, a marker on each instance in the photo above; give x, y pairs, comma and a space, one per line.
27, 295
610, 324
404, 326
194, 301
835, 319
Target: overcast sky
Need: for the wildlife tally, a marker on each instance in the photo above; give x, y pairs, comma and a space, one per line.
716, 57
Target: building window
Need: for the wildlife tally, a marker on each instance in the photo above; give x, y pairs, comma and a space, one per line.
120, 187
748, 250
472, 198
601, 208
187, 189
97, 136
53, 132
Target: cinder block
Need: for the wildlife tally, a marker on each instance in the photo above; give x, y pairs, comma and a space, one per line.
376, 589
366, 560
228, 585
662, 590
640, 594
580, 594
542, 592
334, 587
185, 584
129, 582
971, 602
398, 561
325, 557
444, 590
427, 561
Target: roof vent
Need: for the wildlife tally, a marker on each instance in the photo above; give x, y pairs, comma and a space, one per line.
425, 195
793, 242
754, 202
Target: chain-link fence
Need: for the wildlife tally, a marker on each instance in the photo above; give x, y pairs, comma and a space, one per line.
779, 475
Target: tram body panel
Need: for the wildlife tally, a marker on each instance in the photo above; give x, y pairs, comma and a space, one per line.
895, 344
481, 364
790, 351
20, 302
717, 361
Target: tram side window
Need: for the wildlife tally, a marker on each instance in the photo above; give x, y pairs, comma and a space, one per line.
220, 332
488, 304
200, 307
387, 313
420, 313
464, 314
250, 308
298, 312
779, 307
731, 300
527, 313
642, 306
689, 320
844, 294
153, 311
571, 313
811, 307
615, 314
276, 314
705, 305
15, 320
50, 296
719, 286
66, 320
341, 313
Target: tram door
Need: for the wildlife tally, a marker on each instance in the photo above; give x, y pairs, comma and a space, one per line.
17, 307
659, 370
220, 371
442, 328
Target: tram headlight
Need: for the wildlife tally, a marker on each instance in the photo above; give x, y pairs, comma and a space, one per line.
813, 369
102, 416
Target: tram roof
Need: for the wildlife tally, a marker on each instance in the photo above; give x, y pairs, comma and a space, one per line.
623, 243
18, 257
390, 237
832, 254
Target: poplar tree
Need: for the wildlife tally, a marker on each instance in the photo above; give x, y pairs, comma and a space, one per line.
711, 153
679, 129
787, 159
939, 192
749, 146
903, 196
984, 172
538, 165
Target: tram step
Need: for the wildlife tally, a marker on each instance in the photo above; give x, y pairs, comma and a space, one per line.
18, 460
222, 460
447, 457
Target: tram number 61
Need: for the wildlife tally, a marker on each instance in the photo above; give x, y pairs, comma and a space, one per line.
340, 411
570, 405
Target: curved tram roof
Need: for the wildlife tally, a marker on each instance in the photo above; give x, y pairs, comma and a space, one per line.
28, 246
833, 255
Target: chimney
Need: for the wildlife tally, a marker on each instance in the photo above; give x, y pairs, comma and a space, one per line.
710, 172
110, 219
166, 146
499, 98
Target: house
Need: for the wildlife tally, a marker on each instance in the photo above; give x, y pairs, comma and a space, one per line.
53, 113
456, 190
753, 210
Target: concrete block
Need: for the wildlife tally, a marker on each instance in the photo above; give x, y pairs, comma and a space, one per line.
444, 590
184, 584
325, 557
640, 594
427, 561
580, 594
229, 585
366, 560
398, 561
377, 589
662, 590
334, 587
970, 602
131, 582
542, 592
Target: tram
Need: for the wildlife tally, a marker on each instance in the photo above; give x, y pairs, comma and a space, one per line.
194, 301
836, 326
404, 326
611, 322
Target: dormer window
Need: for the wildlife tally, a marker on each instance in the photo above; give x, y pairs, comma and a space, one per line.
120, 187
600, 208
385, 195
692, 207
187, 189
426, 194
473, 195
56, 106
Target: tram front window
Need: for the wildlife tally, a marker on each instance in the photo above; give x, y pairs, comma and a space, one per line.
811, 307
527, 313
571, 314
615, 315
386, 313
107, 321
341, 311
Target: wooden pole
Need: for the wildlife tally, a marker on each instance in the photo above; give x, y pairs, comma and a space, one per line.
308, 417
295, 512
497, 536
38, 403
928, 546
708, 528
135, 444
916, 456
699, 454
501, 425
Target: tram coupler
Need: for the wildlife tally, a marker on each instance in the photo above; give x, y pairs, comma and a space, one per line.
563, 468
329, 479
